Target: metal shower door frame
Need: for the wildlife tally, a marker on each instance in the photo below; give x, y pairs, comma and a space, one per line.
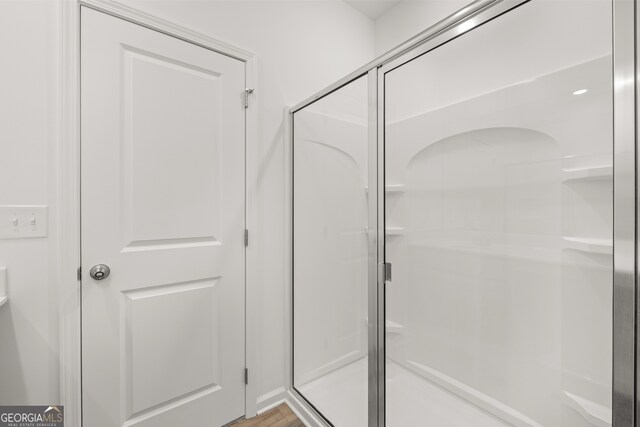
625, 239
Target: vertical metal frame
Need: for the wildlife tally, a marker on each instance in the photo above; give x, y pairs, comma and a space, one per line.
625, 214
375, 245
635, 409
382, 242
288, 164
291, 117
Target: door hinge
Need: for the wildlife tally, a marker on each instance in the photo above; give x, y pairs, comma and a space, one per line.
246, 237
79, 273
247, 92
246, 376
385, 272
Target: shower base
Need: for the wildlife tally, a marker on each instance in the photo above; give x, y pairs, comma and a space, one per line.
341, 396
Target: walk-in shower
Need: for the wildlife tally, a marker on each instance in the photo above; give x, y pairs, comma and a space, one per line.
456, 259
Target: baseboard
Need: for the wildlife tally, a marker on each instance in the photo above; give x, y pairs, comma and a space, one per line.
272, 399
275, 398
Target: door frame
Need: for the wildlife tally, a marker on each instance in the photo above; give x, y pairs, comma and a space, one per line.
67, 185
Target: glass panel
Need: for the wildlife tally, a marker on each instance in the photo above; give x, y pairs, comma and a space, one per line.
330, 254
499, 224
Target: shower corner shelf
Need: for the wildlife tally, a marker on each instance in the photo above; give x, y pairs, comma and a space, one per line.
394, 328
3, 286
394, 188
394, 231
591, 245
594, 173
390, 189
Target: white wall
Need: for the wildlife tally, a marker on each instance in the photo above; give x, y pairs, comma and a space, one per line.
301, 47
28, 126
409, 18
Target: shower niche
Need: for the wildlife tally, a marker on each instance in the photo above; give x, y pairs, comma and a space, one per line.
479, 165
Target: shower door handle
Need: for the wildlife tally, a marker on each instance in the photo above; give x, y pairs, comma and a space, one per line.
385, 272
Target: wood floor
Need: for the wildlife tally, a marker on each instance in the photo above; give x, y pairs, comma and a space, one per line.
280, 416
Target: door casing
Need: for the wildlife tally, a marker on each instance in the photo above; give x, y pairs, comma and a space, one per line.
67, 166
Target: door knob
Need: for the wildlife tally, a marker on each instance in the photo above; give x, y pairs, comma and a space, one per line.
100, 271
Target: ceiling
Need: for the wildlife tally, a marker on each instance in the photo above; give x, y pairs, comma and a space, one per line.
372, 8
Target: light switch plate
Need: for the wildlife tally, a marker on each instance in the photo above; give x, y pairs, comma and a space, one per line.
23, 221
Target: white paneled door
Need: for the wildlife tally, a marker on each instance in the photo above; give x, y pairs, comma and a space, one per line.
162, 207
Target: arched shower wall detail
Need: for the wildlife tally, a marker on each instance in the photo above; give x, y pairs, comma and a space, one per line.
332, 224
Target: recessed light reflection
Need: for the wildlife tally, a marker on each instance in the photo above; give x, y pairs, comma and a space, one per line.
580, 91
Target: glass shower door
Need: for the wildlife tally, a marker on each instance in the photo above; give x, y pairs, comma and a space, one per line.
498, 218
330, 261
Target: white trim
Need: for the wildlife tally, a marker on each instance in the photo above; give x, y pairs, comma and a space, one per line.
270, 400
280, 396
252, 262
67, 163
65, 231
142, 18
